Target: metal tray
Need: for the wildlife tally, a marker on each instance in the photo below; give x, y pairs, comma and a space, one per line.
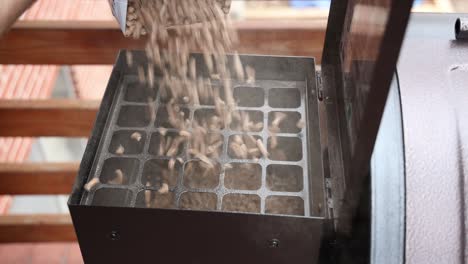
276, 79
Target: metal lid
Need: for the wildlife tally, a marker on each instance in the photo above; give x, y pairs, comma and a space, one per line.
362, 44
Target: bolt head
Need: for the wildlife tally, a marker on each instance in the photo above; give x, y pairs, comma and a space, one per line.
114, 235
274, 243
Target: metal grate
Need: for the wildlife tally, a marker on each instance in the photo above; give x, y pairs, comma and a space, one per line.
275, 185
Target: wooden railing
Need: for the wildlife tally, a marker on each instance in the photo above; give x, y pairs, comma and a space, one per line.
37, 178
34, 118
56, 117
36, 228
71, 42
59, 42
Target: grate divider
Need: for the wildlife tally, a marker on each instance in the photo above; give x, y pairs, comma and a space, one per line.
145, 156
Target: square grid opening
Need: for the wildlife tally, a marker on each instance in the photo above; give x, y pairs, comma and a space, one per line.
277, 184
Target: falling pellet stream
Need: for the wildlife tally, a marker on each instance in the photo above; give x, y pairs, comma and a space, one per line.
172, 30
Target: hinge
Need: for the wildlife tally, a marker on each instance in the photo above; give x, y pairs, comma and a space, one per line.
329, 202
319, 86
329, 197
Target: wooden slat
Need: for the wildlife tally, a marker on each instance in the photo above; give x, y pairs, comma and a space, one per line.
55, 117
36, 228
72, 42
284, 37
77, 43
286, 12
37, 178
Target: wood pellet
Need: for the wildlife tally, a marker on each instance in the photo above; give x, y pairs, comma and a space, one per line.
171, 164
119, 177
136, 136
90, 185
148, 195
262, 148
164, 188
120, 150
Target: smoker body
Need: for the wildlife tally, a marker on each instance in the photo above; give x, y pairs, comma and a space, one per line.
419, 161
114, 228
435, 120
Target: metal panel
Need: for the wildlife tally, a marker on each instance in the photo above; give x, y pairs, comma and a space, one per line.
140, 235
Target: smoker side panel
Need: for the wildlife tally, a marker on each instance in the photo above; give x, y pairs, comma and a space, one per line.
433, 72
178, 236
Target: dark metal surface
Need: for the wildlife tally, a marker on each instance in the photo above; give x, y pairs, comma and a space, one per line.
124, 234
433, 73
140, 235
461, 28
357, 88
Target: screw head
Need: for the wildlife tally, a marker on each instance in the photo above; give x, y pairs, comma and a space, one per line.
114, 235
274, 243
